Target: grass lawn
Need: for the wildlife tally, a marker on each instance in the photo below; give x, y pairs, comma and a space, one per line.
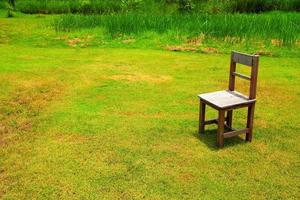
119, 123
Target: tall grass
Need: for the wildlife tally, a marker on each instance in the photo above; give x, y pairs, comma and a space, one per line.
75, 6
117, 6
3, 4
282, 26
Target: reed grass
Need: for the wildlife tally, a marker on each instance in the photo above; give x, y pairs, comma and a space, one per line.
117, 6
281, 26
72, 6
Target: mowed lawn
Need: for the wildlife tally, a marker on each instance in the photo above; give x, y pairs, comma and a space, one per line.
120, 123
113, 123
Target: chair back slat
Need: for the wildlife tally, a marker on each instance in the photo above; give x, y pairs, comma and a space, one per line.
248, 60
242, 76
243, 59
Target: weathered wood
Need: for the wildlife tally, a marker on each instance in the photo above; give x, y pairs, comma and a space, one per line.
229, 128
212, 121
202, 117
225, 99
235, 133
250, 119
231, 76
242, 58
220, 132
242, 76
228, 100
229, 119
253, 81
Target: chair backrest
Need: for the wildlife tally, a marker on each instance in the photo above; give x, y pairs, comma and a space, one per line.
248, 60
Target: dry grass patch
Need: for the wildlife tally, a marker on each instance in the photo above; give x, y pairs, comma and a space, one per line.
140, 114
128, 41
25, 103
138, 77
79, 42
73, 138
276, 42
209, 50
196, 41
180, 48
264, 53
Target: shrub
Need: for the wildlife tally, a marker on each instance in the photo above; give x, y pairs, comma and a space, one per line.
185, 5
257, 6
10, 14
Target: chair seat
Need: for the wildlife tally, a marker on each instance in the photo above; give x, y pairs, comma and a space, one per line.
226, 99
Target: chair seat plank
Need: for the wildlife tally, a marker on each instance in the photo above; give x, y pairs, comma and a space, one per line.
226, 99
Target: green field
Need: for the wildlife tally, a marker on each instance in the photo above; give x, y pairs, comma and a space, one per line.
150, 6
92, 114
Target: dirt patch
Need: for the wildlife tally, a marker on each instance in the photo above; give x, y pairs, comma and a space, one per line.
192, 44
276, 42
264, 53
209, 50
141, 78
180, 48
80, 42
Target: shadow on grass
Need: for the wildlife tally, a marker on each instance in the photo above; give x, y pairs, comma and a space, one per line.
210, 139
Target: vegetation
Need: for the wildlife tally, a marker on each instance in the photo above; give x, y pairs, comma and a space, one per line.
109, 123
280, 26
162, 6
264, 5
101, 107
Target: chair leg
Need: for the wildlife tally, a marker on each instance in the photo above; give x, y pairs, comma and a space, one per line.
250, 119
229, 118
220, 133
201, 117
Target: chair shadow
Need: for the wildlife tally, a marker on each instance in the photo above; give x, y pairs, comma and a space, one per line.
209, 138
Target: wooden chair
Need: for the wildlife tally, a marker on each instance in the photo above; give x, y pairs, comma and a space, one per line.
228, 100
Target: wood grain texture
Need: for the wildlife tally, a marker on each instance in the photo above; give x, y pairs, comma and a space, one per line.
242, 76
226, 98
242, 58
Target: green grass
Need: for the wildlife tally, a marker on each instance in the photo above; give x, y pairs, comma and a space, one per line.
120, 123
76, 6
282, 26
150, 6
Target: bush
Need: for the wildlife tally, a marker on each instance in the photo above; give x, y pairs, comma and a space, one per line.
10, 14
186, 5
257, 6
